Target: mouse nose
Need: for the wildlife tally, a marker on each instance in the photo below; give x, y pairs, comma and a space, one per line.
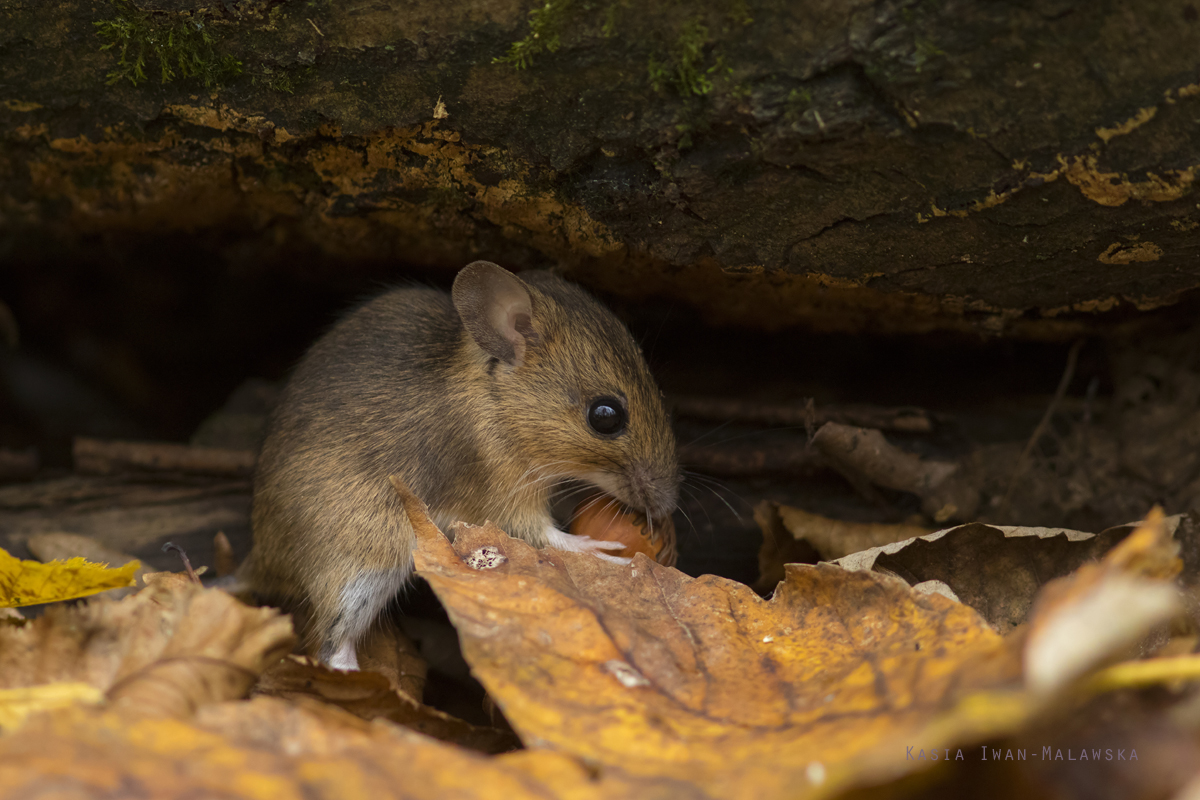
654, 490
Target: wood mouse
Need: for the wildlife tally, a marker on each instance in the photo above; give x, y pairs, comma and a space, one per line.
482, 400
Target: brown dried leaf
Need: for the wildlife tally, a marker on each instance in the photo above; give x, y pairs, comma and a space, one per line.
994, 569
388, 651
168, 649
369, 695
1081, 621
778, 548
700, 680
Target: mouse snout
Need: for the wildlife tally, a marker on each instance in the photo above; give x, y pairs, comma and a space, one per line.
653, 490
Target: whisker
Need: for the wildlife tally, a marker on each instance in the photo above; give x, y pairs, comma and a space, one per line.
759, 432
709, 432
579, 512
699, 504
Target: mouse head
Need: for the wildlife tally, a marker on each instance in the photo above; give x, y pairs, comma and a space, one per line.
569, 385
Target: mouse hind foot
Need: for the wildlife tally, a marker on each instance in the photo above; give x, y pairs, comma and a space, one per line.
361, 601
345, 657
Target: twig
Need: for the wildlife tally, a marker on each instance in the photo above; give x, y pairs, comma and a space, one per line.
187, 563
105, 457
807, 415
223, 555
732, 461
946, 489
1063, 384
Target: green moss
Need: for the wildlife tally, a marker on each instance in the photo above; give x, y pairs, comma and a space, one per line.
925, 52
281, 80
798, 101
611, 15
739, 13
181, 48
684, 142
685, 69
688, 66
545, 34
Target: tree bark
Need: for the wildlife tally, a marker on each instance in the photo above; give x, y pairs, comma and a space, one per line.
898, 165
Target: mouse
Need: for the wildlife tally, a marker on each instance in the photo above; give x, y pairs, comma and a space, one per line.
484, 401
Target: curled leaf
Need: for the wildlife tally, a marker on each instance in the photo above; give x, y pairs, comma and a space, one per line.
26, 583
169, 649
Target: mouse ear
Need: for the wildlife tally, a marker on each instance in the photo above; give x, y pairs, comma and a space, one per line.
495, 308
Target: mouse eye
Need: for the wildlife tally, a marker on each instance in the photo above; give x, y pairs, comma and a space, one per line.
606, 416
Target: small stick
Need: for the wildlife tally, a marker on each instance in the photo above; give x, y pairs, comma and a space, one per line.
1063, 384
169, 546
906, 420
864, 456
225, 563
734, 460
104, 457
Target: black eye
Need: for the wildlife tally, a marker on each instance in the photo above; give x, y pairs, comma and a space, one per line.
606, 416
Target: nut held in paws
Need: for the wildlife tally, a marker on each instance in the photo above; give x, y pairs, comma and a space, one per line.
602, 517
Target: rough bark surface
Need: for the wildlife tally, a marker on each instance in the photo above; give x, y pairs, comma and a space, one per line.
1011, 167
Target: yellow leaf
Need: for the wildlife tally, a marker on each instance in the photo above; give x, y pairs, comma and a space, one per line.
25, 583
17, 704
267, 749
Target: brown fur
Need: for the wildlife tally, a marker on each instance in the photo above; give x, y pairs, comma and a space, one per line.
400, 386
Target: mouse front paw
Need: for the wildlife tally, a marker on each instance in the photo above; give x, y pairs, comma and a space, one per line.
585, 544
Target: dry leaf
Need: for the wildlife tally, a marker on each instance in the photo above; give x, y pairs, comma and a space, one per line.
700, 680
26, 583
994, 569
649, 684
643, 669
267, 749
369, 695
1084, 619
388, 651
834, 538
167, 649
778, 548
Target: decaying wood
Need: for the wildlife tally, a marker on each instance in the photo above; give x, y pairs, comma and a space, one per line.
851, 166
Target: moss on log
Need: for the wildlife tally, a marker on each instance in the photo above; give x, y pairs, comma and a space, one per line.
901, 165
